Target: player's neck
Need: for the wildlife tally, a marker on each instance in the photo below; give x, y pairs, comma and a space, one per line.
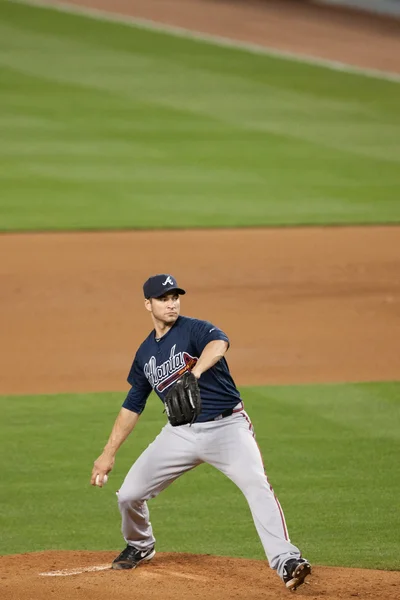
161, 328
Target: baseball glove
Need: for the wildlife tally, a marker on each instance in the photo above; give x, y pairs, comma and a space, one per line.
183, 402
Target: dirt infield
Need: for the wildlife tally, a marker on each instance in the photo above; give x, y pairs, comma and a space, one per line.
59, 575
303, 305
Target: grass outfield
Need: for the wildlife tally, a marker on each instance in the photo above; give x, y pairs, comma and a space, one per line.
331, 452
108, 126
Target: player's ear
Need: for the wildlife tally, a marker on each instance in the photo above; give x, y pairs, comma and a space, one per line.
147, 304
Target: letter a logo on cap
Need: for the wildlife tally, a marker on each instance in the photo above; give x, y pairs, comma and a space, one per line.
168, 280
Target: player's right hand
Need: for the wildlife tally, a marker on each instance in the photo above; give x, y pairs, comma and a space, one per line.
102, 466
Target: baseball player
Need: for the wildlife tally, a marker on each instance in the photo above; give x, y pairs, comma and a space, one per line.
183, 361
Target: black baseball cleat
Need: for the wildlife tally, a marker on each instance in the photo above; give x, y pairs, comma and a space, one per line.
131, 557
295, 572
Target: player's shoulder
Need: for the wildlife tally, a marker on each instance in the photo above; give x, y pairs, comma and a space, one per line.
192, 323
200, 327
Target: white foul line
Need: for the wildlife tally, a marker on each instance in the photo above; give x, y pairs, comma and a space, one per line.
66, 572
102, 15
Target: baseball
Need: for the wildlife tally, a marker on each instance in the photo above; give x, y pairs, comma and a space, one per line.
105, 479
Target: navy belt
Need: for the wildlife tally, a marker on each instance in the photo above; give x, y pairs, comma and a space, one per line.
227, 413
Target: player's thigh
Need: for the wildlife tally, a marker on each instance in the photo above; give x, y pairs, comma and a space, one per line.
236, 453
171, 454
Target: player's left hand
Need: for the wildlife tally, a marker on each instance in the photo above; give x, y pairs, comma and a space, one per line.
183, 401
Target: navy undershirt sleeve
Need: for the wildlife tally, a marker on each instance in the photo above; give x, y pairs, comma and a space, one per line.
204, 332
140, 390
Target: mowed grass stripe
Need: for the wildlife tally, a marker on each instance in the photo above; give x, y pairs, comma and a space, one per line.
108, 126
329, 450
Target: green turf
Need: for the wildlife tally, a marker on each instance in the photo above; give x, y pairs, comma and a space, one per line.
108, 126
331, 452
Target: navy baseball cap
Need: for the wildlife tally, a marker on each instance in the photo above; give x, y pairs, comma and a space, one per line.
158, 285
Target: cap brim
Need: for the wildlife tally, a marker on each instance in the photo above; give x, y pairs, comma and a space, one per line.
180, 291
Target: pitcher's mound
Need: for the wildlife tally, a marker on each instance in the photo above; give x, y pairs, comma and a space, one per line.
87, 575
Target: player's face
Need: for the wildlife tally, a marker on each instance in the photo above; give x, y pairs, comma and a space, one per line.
166, 308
